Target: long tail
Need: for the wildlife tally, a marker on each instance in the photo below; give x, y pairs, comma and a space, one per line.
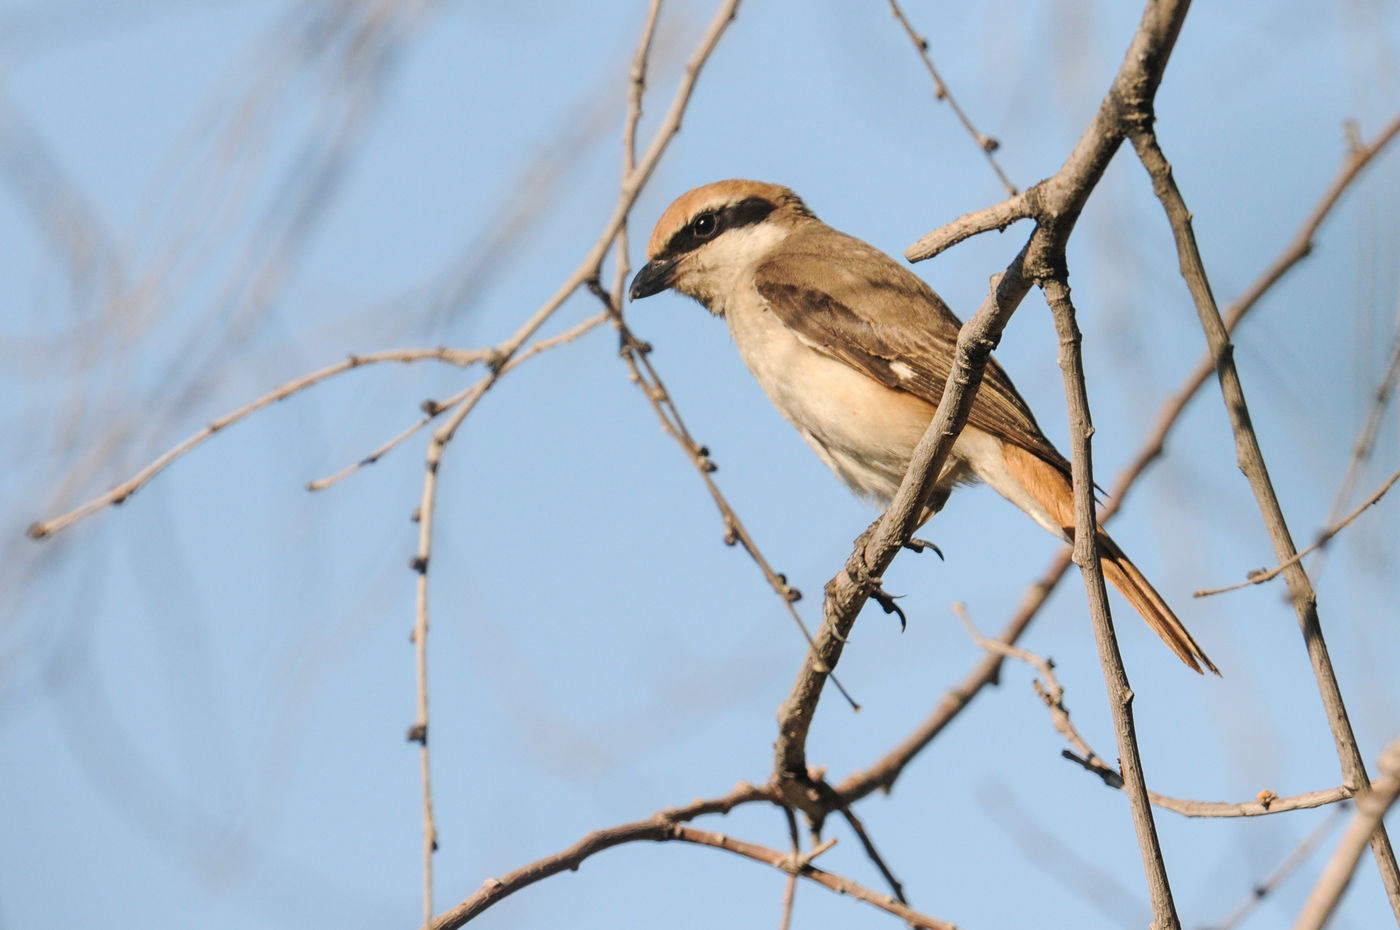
1124, 575
1049, 486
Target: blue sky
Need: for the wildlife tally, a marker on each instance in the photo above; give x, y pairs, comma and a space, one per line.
203, 693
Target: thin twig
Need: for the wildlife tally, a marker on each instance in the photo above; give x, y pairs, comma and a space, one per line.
790, 887
986, 143
1323, 538
882, 775
118, 495
1050, 693
635, 355
998, 216
637, 83
873, 854
1370, 428
669, 825
1366, 825
1251, 461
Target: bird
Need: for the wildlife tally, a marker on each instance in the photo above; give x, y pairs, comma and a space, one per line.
854, 349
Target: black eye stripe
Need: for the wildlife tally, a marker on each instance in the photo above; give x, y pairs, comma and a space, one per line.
746, 212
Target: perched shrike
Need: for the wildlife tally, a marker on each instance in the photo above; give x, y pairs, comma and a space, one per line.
854, 350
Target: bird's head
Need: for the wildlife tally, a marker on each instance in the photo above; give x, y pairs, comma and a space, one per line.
713, 234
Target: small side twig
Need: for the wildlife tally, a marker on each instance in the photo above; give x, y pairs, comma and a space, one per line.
873, 854
986, 143
1051, 694
998, 216
1323, 538
585, 274
790, 887
671, 826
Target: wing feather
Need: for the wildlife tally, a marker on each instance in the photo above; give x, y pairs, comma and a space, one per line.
881, 319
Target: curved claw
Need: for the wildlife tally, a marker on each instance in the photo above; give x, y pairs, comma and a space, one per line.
919, 545
887, 601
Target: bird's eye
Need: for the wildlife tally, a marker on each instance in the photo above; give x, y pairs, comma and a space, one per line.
704, 226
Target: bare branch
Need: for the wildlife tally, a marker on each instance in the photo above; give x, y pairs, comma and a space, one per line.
1051, 694
669, 825
803, 868
636, 355
790, 887
1086, 555
998, 216
586, 273
655, 828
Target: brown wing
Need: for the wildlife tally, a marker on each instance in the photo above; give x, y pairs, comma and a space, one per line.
881, 319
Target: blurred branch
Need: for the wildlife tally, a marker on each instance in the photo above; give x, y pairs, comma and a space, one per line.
1251, 461
1285, 868
434, 409
118, 495
1367, 825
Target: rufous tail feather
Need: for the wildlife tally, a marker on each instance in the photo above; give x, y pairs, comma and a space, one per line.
1049, 485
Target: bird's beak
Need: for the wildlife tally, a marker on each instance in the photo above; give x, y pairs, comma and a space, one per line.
653, 278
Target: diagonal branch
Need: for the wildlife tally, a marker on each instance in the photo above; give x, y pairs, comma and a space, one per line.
1086, 555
